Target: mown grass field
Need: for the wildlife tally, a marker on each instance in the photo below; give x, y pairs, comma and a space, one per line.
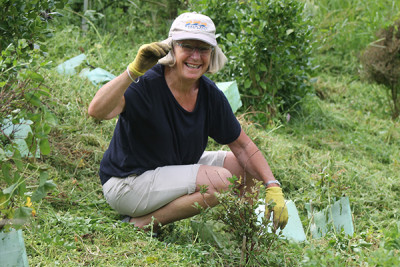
342, 143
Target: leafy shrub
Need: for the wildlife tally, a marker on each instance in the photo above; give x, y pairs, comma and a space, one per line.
268, 45
25, 20
25, 116
242, 231
382, 63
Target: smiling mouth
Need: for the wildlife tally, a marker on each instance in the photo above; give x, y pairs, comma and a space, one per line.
192, 66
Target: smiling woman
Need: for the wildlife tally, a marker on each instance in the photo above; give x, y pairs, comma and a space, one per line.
156, 162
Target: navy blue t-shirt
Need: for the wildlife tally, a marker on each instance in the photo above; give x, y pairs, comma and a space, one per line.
155, 131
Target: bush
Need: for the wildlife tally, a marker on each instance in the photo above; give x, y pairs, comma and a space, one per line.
268, 45
25, 20
25, 116
382, 63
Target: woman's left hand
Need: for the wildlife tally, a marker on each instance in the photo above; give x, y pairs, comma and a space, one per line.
280, 212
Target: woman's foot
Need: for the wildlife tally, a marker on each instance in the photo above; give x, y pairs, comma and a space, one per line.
141, 223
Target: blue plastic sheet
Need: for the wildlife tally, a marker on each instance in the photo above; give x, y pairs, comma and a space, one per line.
97, 76
17, 133
68, 67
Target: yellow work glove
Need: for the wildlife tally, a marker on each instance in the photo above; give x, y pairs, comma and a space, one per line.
147, 57
280, 212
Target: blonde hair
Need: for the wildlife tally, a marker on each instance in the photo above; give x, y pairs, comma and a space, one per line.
217, 61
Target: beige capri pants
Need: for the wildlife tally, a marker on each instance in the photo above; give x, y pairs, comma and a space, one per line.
136, 196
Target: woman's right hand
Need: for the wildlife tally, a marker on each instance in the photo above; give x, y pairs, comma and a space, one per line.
109, 100
147, 57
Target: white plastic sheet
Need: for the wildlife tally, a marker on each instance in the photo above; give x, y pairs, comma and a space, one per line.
230, 90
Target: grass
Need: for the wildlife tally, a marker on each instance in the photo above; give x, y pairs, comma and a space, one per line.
345, 138
342, 143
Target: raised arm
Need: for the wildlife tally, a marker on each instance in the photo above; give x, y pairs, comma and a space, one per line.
109, 101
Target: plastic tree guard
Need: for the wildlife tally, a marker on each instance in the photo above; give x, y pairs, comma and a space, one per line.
12, 249
230, 90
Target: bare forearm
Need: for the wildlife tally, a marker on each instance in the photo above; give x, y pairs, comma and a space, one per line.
255, 164
251, 158
108, 101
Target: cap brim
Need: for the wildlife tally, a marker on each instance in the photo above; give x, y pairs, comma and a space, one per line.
167, 41
194, 36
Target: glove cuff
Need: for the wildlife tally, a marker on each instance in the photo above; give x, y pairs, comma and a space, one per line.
135, 72
274, 190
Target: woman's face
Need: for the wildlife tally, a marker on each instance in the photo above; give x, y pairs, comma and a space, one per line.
192, 58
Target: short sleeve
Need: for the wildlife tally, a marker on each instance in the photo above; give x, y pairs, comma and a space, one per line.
224, 126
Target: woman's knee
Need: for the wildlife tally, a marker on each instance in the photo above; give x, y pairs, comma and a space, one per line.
232, 164
216, 179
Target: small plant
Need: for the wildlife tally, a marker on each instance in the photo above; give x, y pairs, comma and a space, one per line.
241, 223
382, 63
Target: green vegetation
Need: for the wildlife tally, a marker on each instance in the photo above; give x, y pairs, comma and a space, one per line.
25, 116
341, 142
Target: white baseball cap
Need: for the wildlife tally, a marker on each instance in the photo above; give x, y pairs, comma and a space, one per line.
193, 26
